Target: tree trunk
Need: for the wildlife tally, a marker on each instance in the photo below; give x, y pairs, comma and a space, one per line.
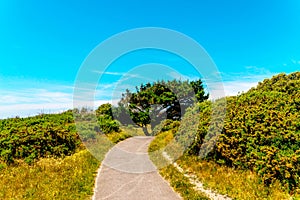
146, 131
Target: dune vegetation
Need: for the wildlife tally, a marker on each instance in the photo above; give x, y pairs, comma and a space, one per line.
256, 156
44, 157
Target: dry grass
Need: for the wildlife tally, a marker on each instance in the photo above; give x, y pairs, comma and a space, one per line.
177, 180
72, 177
181, 184
132, 130
68, 178
125, 133
237, 184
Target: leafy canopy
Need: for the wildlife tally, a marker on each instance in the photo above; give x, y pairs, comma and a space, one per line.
153, 102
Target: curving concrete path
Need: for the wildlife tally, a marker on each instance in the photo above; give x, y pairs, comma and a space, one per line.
127, 173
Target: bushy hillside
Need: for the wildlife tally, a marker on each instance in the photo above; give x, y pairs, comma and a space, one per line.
54, 135
40, 136
43, 157
261, 130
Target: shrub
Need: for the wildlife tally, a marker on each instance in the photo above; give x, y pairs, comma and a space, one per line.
261, 131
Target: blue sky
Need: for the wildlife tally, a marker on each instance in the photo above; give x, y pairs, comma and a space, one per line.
43, 44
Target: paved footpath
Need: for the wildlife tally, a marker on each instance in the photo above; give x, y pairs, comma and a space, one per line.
127, 173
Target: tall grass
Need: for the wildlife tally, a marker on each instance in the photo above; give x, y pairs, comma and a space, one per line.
72, 177
49, 178
181, 184
177, 180
238, 184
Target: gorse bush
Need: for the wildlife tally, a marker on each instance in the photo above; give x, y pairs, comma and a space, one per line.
261, 131
53, 135
39, 136
59, 176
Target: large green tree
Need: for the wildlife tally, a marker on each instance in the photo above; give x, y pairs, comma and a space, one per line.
153, 102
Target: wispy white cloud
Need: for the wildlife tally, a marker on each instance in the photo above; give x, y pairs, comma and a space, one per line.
235, 83
29, 102
46, 98
295, 62
109, 73
125, 75
175, 75
232, 88
36, 94
230, 84
49, 98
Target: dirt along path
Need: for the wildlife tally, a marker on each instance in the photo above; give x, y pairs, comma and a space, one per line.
127, 173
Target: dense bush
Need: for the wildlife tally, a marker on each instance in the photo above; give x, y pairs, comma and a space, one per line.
39, 136
106, 120
261, 131
52, 135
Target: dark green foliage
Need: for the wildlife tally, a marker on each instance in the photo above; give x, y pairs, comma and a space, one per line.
105, 119
40, 136
53, 135
261, 131
87, 130
152, 103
